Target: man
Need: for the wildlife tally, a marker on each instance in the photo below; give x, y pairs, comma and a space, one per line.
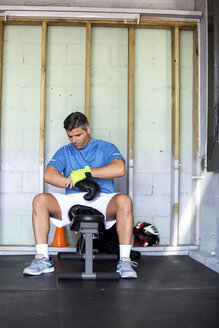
68, 166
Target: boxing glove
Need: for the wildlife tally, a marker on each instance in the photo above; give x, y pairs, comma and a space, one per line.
80, 174
91, 188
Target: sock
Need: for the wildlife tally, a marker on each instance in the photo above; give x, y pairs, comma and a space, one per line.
43, 249
124, 251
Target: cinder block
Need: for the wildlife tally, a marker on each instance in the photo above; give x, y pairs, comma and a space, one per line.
75, 99
102, 35
56, 54
19, 119
151, 205
186, 77
20, 34
161, 184
66, 75
11, 229
76, 54
11, 139
119, 55
111, 76
66, 35
16, 204
101, 54
27, 230
11, 182
30, 182
56, 95
186, 48
13, 53
31, 140
21, 75
31, 96
32, 53
152, 162
143, 184
26, 161
143, 140
12, 96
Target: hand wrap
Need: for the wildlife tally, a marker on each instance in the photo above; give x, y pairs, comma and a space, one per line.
80, 174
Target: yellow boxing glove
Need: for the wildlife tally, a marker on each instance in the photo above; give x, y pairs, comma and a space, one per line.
80, 174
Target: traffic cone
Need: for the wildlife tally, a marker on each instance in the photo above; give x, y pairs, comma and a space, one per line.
59, 238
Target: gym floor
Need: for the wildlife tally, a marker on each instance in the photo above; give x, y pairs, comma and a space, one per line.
171, 291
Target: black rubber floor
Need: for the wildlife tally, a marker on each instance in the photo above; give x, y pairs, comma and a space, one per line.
171, 291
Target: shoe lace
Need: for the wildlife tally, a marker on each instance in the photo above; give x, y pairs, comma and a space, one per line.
129, 263
37, 262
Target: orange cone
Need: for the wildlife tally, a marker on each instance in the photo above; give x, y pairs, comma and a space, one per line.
59, 239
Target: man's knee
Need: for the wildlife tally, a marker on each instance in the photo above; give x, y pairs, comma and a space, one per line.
39, 201
120, 202
47, 202
125, 202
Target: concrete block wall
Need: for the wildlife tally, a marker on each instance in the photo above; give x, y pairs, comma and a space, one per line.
19, 175
109, 80
65, 82
152, 129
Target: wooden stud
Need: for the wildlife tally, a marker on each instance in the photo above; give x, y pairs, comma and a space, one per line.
175, 137
1, 65
43, 103
87, 71
195, 96
131, 109
175, 91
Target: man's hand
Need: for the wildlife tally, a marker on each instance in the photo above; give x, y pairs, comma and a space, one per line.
80, 174
69, 183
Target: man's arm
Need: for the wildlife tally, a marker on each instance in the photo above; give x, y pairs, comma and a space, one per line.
115, 169
55, 178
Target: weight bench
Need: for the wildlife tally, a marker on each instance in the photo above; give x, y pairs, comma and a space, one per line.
89, 222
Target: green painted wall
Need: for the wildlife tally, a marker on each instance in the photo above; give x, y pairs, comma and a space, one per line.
65, 88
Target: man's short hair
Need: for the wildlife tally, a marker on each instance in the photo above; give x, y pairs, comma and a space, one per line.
75, 120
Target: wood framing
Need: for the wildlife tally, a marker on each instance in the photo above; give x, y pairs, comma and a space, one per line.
175, 136
166, 23
43, 102
145, 23
131, 109
195, 95
87, 71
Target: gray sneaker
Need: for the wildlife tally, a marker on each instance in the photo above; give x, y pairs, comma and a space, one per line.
38, 266
124, 267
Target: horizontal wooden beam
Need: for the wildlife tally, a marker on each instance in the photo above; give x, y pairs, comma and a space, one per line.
147, 22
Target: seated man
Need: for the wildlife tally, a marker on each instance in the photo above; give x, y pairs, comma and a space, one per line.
68, 166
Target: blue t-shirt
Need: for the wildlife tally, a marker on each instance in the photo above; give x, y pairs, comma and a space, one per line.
97, 153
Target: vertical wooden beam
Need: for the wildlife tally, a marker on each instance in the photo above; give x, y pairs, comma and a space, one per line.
87, 71
131, 111
42, 104
175, 137
195, 96
1, 66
